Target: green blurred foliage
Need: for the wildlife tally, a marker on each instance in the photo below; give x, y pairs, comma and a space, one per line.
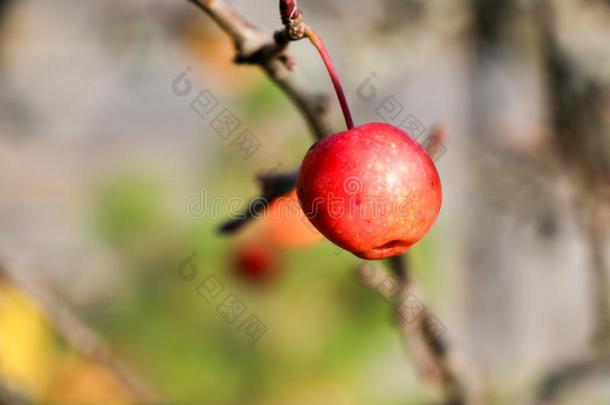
126, 206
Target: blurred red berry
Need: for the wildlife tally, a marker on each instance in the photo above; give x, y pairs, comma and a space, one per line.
255, 262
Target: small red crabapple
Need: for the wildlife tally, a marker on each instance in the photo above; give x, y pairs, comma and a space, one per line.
397, 194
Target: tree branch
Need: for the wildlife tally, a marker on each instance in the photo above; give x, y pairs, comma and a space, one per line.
430, 349
81, 336
256, 47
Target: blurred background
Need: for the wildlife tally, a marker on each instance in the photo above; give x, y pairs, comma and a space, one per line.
114, 180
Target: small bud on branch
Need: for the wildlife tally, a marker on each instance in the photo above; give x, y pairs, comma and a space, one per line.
289, 11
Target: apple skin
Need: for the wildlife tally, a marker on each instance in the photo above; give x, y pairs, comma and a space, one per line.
371, 190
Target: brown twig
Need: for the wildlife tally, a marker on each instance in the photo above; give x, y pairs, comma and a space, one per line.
255, 46
273, 187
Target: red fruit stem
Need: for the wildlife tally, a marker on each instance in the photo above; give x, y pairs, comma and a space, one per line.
334, 76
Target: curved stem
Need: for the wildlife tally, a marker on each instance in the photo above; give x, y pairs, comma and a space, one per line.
334, 76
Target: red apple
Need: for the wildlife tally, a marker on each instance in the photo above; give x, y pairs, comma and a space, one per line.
255, 262
371, 190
